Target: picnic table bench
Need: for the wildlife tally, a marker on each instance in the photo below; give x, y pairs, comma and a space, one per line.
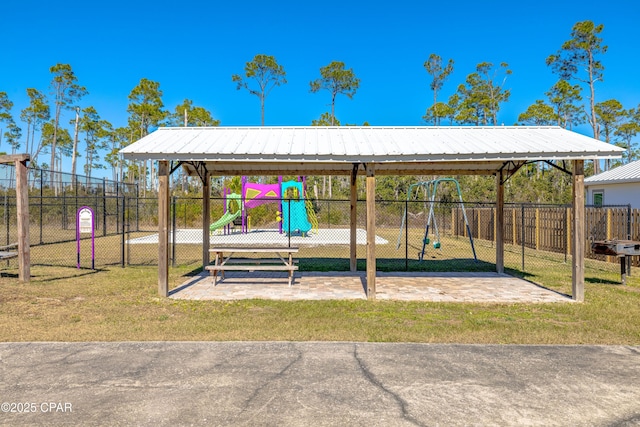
7, 254
226, 262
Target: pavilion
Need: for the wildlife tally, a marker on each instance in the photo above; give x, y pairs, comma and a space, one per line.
370, 151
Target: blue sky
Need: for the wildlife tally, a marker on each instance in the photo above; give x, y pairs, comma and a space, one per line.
193, 47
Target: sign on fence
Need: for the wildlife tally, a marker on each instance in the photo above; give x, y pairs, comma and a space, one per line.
85, 220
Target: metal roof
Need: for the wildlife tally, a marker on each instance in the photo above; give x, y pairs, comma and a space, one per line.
333, 150
622, 174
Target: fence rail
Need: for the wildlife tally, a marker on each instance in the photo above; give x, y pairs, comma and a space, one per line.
548, 228
410, 232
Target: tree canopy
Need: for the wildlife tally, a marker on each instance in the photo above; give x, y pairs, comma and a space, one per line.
335, 79
266, 74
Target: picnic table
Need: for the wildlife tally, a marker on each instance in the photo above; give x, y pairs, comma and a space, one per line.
8, 254
225, 259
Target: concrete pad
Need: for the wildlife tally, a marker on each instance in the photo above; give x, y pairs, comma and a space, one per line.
317, 384
444, 287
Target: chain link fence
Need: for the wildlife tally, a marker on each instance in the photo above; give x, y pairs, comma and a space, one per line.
410, 235
54, 201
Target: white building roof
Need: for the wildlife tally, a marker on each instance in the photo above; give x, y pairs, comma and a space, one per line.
333, 150
622, 174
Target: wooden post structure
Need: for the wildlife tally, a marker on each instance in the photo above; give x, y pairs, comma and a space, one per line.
371, 232
499, 223
537, 213
569, 226
163, 228
514, 228
206, 217
577, 221
22, 202
353, 244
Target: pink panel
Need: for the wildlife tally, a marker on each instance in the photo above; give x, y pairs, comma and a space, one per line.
258, 194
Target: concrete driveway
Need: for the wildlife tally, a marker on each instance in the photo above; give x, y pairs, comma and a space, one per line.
317, 384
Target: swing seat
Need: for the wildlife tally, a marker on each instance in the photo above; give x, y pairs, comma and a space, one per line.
436, 245
426, 241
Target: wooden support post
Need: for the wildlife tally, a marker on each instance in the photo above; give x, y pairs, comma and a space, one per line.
163, 228
514, 221
22, 202
499, 223
537, 213
609, 233
454, 226
371, 232
206, 217
353, 245
578, 245
569, 225
494, 213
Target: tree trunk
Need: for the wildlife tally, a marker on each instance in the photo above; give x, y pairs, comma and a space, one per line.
75, 149
330, 186
26, 150
53, 143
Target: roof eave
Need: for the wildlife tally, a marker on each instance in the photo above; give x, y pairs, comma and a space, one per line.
611, 182
502, 157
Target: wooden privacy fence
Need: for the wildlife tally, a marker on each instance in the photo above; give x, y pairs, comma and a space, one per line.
548, 228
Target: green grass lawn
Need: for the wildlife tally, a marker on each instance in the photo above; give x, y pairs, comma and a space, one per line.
121, 304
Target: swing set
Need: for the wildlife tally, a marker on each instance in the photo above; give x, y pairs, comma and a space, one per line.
431, 189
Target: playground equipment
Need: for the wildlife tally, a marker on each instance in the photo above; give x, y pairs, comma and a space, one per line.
295, 213
431, 189
294, 209
228, 217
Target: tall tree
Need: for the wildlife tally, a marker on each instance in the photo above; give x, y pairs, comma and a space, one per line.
66, 93
439, 75
12, 136
5, 112
564, 96
97, 132
610, 114
267, 74
35, 115
480, 97
5, 108
117, 140
187, 115
145, 106
492, 81
437, 112
472, 102
577, 59
625, 133
538, 114
325, 119
337, 80
64, 144
453, 106
146, 110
